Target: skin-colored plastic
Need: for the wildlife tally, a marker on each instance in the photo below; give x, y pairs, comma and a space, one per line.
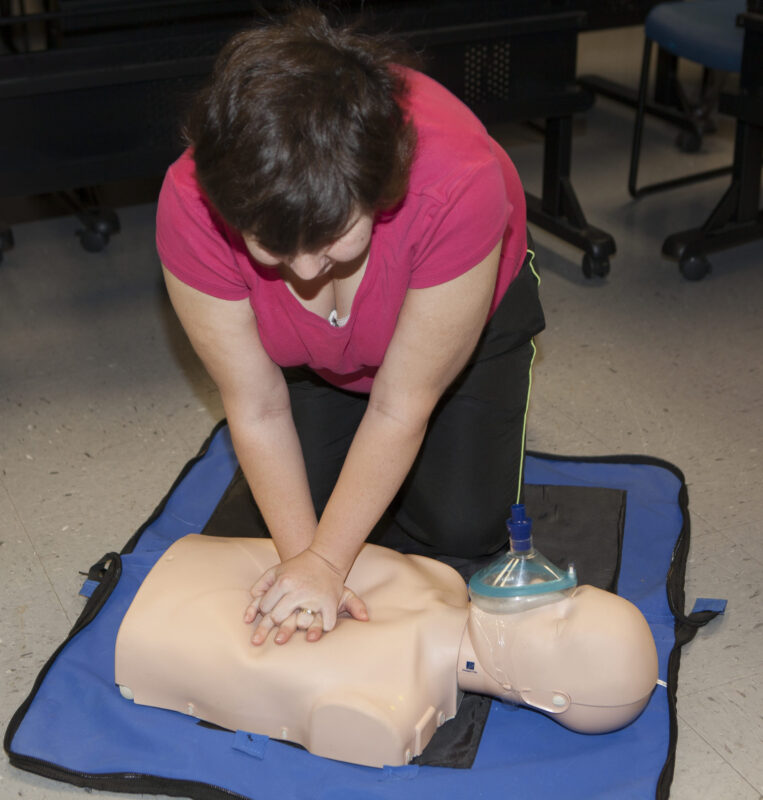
373, 692
368, 692
588, 660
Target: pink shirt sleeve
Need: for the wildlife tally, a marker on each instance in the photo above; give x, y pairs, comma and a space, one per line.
192, 240
460, 230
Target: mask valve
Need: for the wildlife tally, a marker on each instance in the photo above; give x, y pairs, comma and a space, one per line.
522, 578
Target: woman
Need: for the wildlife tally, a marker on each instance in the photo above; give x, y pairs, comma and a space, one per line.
345, 247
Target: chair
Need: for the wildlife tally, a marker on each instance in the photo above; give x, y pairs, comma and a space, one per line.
737, 218
702, 31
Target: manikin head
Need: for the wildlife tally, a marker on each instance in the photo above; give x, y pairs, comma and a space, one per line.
580, 654
587, 658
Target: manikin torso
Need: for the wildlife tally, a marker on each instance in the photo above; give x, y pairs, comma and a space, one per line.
373, 692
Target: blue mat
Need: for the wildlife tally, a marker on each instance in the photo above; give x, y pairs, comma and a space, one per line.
75, 726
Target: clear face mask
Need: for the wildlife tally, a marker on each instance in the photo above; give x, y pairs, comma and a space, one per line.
522, 578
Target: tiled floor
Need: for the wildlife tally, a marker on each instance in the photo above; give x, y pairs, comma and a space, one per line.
103, 402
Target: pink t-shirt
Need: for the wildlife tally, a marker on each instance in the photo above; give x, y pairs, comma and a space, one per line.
464, 196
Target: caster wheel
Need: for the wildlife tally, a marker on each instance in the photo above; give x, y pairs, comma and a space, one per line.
105, 222
595, 266
694, 268
689, 142
93, 241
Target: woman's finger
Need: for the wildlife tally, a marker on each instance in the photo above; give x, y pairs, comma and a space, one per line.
263, 583
329, 618
286, 606
251, 611
273, 598
286, 629
257, 592
354, 606
264, 597
315, 631
263, 629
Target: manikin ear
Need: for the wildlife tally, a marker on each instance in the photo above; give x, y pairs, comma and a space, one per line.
552, 702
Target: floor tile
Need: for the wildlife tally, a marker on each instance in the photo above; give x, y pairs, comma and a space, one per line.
701, 773
730, 646
33, 622
729, 717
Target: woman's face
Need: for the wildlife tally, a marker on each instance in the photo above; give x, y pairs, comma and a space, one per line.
349, 247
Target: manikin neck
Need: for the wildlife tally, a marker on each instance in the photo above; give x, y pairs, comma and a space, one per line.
474, 677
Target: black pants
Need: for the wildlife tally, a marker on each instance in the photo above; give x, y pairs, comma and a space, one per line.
460, 489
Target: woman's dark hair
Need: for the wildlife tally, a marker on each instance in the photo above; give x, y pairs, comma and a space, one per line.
300, 127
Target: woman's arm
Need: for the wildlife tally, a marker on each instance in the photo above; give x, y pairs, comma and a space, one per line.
256, 401
437, 331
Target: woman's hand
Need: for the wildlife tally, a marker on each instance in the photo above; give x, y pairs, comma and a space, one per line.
306, 581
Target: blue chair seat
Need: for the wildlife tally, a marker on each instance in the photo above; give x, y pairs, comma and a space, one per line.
699, 30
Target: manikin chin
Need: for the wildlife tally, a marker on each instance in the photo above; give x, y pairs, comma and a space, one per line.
374, 692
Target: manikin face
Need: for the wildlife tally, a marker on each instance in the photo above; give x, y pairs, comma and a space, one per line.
351, 246
588, 659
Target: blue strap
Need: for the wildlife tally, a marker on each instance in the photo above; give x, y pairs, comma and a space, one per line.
714, 604
88, 587
404, 773
253, 744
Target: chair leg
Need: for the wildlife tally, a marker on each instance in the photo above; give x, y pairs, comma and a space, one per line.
638, 126
736, 219
710, 93
638, 129
666, 79
558, 210
6, 239
99, 222
690, 138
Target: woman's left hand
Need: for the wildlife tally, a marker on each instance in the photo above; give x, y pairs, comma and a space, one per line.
306, 581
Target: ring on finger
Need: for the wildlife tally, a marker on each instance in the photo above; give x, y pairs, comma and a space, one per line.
304, 622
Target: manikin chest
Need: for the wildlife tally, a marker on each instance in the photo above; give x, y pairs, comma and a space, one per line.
369, 692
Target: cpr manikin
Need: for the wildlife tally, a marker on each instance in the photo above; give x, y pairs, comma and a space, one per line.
374, 692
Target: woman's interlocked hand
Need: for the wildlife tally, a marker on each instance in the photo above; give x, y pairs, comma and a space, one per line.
304, 592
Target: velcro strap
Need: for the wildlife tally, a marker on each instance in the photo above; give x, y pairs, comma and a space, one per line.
713, 605
253, 744
404, 773
88, 587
